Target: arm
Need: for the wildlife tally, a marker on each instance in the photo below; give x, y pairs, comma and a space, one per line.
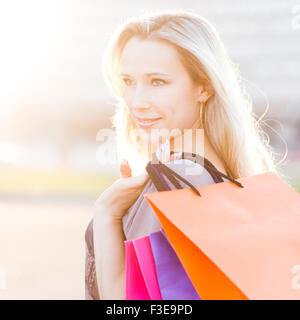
91, 285
109, 248
109, 253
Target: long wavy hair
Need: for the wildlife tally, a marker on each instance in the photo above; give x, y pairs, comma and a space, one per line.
230, 123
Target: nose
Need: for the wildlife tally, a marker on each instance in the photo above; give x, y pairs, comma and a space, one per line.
139, 100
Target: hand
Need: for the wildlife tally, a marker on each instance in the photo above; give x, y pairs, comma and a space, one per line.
115, 200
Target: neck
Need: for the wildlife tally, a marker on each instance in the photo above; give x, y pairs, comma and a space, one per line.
192, 141
196, 141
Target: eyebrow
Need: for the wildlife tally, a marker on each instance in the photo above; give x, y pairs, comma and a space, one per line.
149, 74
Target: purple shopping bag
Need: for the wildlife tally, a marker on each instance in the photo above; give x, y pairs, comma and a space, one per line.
173, 281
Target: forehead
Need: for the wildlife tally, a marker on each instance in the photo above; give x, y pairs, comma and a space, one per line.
143, 56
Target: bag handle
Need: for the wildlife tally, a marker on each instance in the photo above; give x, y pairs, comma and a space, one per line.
203, 161
213, 171
155, 172
209, 167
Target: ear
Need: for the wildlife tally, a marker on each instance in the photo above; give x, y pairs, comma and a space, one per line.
205, 92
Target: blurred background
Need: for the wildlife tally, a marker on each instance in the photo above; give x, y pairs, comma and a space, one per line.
53, 102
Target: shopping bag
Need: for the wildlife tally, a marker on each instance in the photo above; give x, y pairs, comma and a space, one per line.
141, 280
173, 281
236, 239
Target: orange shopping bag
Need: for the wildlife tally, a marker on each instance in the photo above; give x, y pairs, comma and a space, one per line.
235, 242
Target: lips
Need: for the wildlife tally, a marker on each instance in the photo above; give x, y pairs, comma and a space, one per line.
147, 122
147, 119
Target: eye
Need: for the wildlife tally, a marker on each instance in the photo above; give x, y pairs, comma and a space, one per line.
127, 81
158, 80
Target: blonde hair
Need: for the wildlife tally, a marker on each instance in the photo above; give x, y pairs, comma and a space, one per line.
229, 123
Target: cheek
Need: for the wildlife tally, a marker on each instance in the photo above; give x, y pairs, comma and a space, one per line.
178, 109
181, 115
173, 113
173, 105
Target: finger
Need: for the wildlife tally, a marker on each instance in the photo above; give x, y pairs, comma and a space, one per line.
125, 169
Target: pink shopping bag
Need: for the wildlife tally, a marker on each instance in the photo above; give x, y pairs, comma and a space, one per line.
141, 277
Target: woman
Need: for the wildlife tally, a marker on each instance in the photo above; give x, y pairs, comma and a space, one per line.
169, 70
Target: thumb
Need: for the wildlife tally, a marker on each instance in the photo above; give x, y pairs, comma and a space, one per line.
125, 169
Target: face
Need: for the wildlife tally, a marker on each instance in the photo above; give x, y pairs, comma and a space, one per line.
157, 88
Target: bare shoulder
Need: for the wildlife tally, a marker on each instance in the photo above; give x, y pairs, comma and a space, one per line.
217, 162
